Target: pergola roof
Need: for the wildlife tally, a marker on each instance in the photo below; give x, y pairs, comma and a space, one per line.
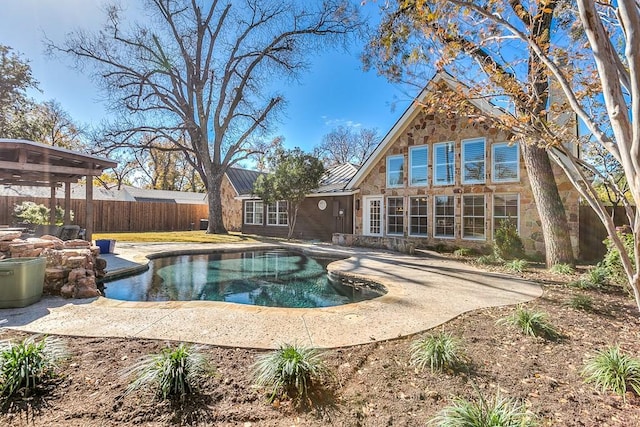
32, 163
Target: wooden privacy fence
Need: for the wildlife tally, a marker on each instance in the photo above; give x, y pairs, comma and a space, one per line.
116, 216
592, 232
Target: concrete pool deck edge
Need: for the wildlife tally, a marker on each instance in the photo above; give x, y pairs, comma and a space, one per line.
423, 292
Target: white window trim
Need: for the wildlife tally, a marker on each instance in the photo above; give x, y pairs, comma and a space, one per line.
435, 164
465, 142
493, 164
386, 214
366, 215
277, 224
435, 235
426, 167
253, 202
389, 158
477, 239
493, 218
409, 216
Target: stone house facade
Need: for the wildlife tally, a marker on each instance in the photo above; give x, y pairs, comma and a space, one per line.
437, 180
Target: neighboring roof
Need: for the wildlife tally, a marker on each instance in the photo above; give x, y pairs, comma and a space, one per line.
180, 197
242, 180
406, 119
32, 163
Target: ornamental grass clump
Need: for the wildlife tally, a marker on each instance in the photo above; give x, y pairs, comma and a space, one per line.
174, 372
516, 265
29, 363
438, 352
496, 412
581, 302
611, 369
562, 269
532, 323
291, 371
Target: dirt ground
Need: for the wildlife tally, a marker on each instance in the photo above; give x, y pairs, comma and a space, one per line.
373, 384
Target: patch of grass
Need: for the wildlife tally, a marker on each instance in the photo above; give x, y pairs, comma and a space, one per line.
24, 365
291, 371
438, 352
597, 276
175, 236
611, 369
581, 302
463, 252
516, 265
562, 269
532, 323
173, 372
583, 283
496, 412
487, 260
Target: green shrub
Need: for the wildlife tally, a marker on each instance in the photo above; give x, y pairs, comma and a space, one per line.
463, 252
597, 276
562, 269
487, 260
613, 370
172, 372
24, 365
506, 242
516, 265
611, 263
32, 213
291, 371
438, 352
581, 302
496, 412
532, 323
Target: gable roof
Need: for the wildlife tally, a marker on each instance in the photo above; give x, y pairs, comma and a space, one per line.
335, 179
407, 117
242, 180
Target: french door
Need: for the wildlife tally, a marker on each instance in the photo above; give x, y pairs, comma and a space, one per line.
373, 216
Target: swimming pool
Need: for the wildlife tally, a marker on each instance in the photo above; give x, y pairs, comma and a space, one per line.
273, 278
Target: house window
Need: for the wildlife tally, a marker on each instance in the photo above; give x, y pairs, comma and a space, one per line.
506, 162
473, 217
277, 213
395, 171
473, 161
253, 212
395, 215
418, 216
443, 216
418, 157
443, 163
505, 208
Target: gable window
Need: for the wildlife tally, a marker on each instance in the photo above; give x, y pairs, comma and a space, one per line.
418, 216
418, 165
506, 162
277, 213
473, 161
253, 212
395, 215
395, 171
473, 217
443, 163
505, 208
443, 216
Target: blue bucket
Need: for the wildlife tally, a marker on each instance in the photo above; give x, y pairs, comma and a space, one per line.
106, 246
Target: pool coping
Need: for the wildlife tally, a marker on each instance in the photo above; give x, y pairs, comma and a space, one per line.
422, 293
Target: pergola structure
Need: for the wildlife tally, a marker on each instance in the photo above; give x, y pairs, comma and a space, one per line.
34, 164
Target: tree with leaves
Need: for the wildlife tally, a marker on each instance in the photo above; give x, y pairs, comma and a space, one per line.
15, 80
199, 74
346, 145
292, 176
463, 37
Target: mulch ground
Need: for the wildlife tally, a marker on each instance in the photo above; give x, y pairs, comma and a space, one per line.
373, 384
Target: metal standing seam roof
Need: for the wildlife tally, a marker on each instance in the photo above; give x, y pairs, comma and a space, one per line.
243, 180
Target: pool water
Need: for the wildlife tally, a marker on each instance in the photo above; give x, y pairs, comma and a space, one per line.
275, 278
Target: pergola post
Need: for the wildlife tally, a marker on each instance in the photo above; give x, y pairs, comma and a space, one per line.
89, 200
67, 203
52, 204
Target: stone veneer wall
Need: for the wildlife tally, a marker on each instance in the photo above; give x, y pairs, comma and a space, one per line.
231, 208
72, 266
427, 129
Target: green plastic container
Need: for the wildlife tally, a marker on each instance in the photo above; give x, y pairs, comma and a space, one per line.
21, 281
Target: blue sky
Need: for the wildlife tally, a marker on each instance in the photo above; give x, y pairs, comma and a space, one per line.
335, 91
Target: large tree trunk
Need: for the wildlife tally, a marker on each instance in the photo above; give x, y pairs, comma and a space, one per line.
553, 218
216, 220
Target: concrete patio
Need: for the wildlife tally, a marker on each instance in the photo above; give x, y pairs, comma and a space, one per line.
423, 292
